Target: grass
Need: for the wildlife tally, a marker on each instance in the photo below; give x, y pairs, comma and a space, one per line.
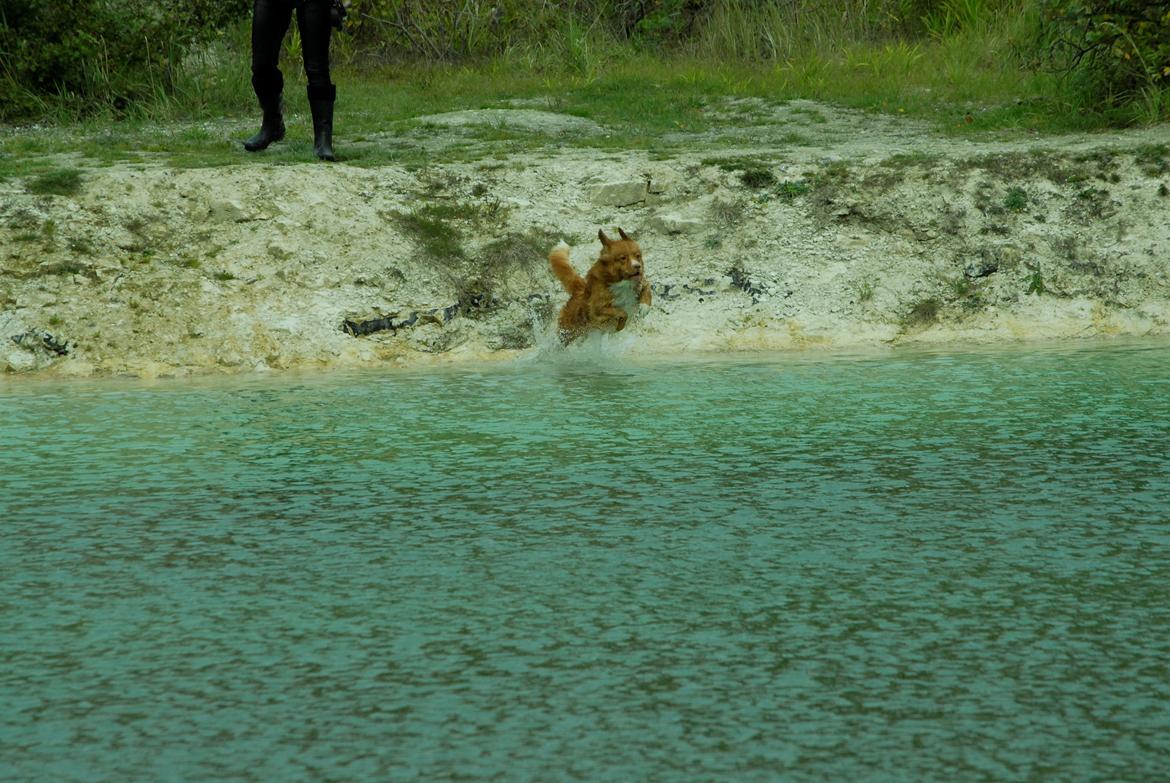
964, 77
923, 313
1016, 199
57, 182
790, 190
435, 228
864, 291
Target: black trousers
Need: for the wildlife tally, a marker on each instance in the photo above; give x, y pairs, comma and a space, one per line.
270, 21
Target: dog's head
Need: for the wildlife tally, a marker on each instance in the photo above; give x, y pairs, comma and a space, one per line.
621, 258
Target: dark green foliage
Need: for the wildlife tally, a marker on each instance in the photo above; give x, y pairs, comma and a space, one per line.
434, 227
660, 19
59, 182
757, 177
117, 57
923, 313
454, 30
790, 190
1122, 47
99, 53
1016, 200
447, 30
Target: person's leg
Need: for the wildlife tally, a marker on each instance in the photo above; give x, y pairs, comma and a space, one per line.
270, 20
314, 22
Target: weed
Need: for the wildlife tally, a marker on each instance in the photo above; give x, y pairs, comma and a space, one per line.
810, 114
1091, 203
479, 281
836, 171
729, 213
1066, 247
63, 268
1153, 159
432, 227
961, 288
1010, 166
790, 190
916, 159
924, 312
58, 182
55, 320
223, 276
863, 290
757, 178
1036, 283
1016, 200
741, 164
81, 246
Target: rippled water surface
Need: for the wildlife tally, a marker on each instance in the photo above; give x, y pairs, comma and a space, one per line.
907, 567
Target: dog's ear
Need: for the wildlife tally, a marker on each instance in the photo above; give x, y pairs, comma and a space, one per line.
623, 234
604, 239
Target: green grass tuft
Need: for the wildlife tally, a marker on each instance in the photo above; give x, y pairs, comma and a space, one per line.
1016, 200
58, 182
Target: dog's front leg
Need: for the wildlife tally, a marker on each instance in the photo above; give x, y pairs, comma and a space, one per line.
644, 292
610, 314
620, 319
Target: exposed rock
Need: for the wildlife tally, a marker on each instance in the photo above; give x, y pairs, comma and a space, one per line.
622, 193
226, 211
392, 323
41, 341
981, 268
674, 223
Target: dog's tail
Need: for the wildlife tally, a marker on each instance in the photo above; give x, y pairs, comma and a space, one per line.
558, 259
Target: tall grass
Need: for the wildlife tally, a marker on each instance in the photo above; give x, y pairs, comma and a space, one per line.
970, 64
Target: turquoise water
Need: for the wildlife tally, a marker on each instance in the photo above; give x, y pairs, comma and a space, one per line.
905, 567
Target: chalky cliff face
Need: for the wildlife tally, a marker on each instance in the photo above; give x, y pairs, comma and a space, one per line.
864, 232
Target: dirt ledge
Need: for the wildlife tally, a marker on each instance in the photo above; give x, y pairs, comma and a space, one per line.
897, 237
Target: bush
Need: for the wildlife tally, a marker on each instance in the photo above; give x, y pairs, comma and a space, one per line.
1120, 47
412, 29
99, 53
445, 31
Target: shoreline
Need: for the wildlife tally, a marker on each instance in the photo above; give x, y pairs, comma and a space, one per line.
595, 355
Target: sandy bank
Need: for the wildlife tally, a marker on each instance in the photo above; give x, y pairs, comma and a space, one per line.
864, 232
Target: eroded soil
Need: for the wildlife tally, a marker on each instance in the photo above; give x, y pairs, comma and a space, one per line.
798, 226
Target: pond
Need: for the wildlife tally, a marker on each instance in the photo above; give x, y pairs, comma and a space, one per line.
927, 565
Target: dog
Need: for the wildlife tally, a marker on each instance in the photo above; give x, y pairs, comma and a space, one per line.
592, 304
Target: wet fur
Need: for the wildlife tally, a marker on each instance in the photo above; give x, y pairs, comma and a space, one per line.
591, 302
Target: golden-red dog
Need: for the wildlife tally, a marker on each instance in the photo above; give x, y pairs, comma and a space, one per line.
591, 302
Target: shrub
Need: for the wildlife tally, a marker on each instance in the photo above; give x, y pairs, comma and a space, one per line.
1122, 47
99, 52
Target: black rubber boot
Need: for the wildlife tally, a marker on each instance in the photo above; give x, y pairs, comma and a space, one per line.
321, 101
271, 127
